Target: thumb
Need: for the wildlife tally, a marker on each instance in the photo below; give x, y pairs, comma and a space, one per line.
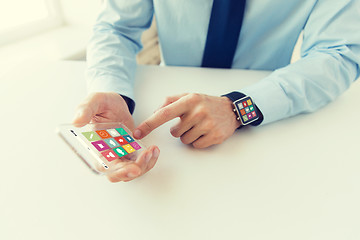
83, 115
80, 119
86, 110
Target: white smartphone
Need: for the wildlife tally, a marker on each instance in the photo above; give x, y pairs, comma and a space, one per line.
104, 147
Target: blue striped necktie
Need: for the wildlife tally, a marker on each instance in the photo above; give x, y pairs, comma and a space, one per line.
223, 33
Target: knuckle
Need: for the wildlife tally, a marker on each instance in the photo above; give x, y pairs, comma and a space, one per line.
193, 98
209, 126
164, 113
175, 132
198, 145
203, 110
147, 125
184, 140
200, 114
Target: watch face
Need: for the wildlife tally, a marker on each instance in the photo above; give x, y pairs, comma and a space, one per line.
246, 110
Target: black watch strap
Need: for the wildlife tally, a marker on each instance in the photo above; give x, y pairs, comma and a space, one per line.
234, 96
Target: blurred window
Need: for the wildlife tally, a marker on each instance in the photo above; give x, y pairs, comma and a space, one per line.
22, 18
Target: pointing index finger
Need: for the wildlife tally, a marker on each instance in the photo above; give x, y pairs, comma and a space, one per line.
160, 117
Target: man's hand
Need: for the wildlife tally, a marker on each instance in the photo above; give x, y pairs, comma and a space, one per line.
204, 120
103, 107
111, 107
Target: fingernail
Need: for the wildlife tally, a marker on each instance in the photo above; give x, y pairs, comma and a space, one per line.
156, 153
131, 175
137, 133
148, 157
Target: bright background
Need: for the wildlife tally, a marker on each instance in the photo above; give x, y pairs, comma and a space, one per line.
44, 30
49, 30
12, 16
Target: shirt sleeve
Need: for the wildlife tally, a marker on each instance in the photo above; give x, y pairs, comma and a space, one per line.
112, 49
330, 59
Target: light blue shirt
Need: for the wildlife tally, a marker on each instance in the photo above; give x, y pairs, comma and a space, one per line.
330, 53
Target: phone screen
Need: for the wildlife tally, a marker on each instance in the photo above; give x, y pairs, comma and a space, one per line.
112, 143
104, 147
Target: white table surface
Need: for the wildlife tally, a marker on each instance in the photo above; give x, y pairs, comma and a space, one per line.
294, 179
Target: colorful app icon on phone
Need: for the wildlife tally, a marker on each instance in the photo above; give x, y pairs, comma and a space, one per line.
120, 151
110, 155
100, 145
135, 145
121, 140
121, 131
128, 148
111, 142
103, 134
113, 132
128, 138
91, 136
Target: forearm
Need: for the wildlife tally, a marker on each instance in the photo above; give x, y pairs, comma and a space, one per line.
329, 64
304, 86
114, 44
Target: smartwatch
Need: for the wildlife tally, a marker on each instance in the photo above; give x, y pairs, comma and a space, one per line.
245, 109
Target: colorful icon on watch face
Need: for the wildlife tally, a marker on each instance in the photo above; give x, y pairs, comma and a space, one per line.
246, 110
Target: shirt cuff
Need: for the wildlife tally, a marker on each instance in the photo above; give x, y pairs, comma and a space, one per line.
130, 103
270, 98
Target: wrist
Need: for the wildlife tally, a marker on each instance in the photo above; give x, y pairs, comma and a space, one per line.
229, 105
